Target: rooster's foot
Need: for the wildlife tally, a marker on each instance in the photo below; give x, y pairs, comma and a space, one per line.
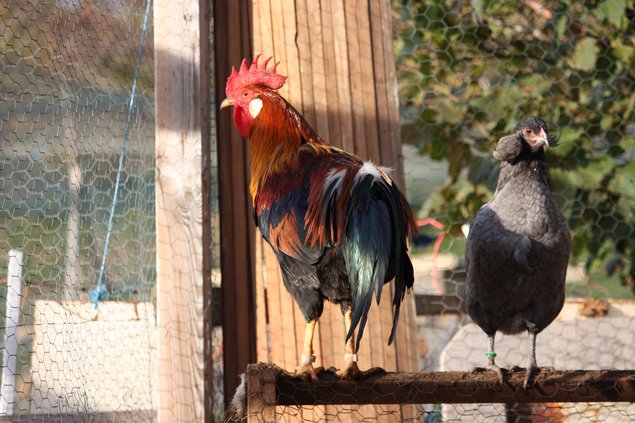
352, 372
307, 372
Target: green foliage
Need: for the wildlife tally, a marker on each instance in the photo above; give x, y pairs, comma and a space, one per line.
469, 71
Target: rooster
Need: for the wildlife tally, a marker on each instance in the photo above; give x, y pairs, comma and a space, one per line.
518, 246
339, 226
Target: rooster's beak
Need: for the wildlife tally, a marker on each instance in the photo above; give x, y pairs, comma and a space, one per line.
227, 103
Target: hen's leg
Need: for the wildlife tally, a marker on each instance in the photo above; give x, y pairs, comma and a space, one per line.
531, 360
491, 354
306, 370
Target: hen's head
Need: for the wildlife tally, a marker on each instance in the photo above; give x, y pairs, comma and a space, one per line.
535, 133
244, 89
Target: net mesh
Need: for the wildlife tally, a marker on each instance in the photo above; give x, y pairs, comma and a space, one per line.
67, 72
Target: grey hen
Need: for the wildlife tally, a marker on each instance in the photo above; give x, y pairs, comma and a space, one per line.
518, 245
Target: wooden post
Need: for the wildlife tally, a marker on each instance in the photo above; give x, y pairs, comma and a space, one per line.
261, 394
232, 42
180, 46
12, 320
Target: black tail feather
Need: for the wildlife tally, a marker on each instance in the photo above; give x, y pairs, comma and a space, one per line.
376, 250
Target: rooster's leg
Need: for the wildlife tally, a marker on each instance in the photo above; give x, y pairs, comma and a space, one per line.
352, 371
306, 370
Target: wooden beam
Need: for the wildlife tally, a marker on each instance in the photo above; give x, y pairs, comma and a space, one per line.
454, 387
207, 200
232, 43
261, 400
180, 128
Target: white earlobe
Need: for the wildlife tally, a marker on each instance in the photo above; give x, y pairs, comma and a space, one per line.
255, 106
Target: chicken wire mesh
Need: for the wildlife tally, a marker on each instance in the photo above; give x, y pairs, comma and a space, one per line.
77, 200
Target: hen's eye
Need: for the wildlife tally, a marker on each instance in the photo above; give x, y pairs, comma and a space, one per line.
529, 131
245, 93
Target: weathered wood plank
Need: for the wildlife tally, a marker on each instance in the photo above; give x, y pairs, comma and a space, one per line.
357, 83
455, 387
302, 22
206, 81
340, 72
369, 98
261, 397
232, 43
319, 78
179, 211
262, 45
425, 305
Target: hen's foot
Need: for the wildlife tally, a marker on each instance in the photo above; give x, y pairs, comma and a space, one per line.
499, 373
529, 378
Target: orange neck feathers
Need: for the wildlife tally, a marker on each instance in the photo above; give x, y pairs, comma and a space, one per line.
277, 134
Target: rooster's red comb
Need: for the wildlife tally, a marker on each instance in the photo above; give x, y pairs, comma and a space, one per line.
256, 74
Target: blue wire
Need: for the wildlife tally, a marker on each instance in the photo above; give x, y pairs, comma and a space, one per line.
100, 292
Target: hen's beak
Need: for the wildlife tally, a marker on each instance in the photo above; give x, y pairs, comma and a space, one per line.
542, 137
227, 103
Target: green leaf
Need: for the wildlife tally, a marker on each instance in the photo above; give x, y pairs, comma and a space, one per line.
568, 140
477, 5
623, 51
624, 181
594, 172
585, 55
627, 143
613, 10
534, 85
561, 26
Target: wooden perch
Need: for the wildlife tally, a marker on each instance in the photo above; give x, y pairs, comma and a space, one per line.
440, 387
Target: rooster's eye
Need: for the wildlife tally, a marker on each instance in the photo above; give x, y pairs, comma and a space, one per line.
245, 93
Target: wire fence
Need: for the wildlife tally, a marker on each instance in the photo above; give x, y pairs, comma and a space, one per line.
77, 200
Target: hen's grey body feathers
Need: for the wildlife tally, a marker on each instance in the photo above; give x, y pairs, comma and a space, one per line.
518, 247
